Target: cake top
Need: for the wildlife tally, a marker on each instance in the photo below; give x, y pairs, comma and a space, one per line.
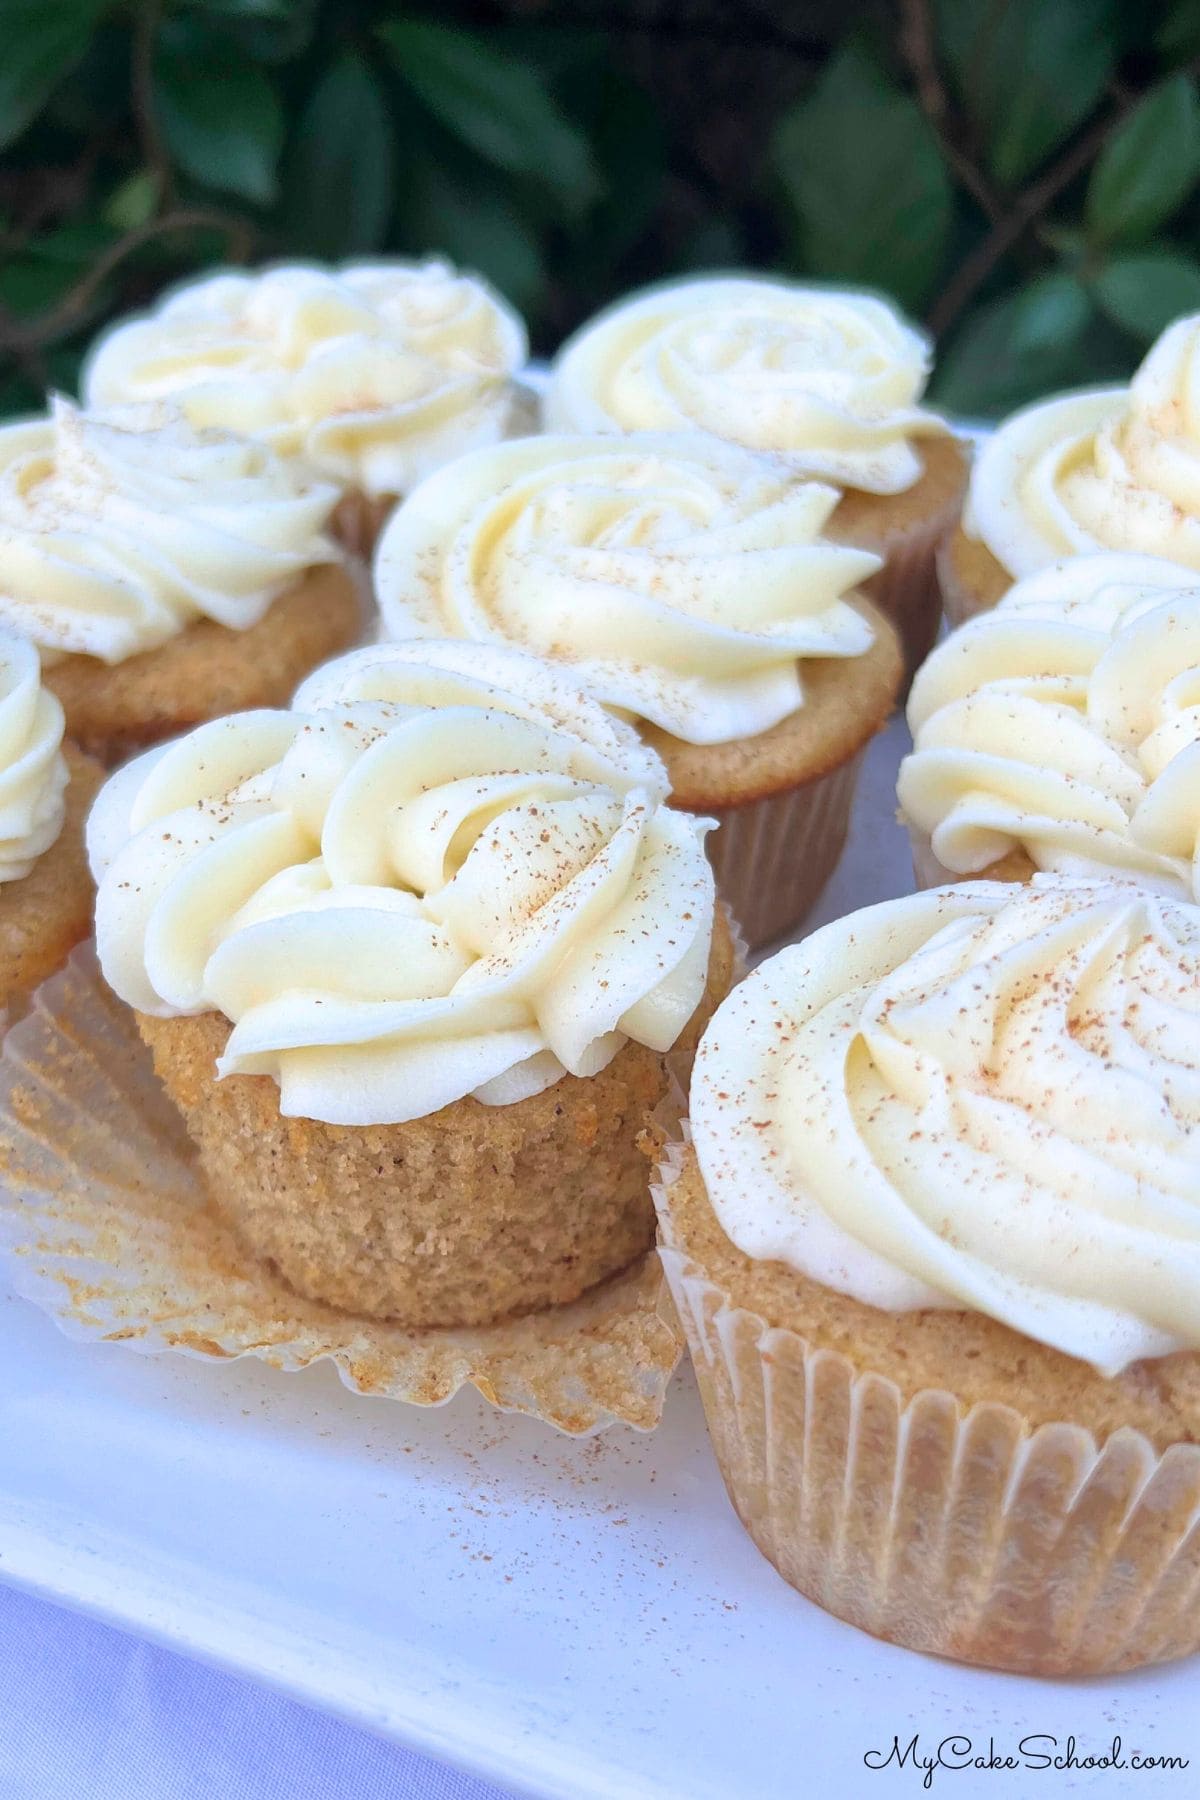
1066, 723
1105, 469
830, 379
374, 373
118, 529
33, 772
683, 580
984, 1098
443, 873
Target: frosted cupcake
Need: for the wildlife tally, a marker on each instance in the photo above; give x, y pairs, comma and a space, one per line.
166, 575
1061, 731
409, 958
46, 788
935, 1243
372, 374
830, 380
688, 584
1105, 469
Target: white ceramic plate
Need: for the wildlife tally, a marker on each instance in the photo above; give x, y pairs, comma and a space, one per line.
572, 1618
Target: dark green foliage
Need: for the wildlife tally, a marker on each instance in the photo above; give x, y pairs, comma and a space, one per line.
1023, 174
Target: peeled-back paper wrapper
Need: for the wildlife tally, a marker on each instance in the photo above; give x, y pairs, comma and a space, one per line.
105, 1225
962, 1533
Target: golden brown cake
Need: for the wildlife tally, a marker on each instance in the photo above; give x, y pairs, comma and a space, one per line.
164, 573
938, 1272
410, 957
688, 583
372, 374
971, 579
829, 381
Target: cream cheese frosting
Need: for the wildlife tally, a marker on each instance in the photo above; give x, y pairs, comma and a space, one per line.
1107, 469
1066, 723
416, 885
831, 380
33, 771
684, 581
983, 1098
374, 373
118, 529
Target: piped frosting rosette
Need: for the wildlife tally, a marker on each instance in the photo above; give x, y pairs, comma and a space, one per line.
984, 1098
33, 772
1107, 469
1066, 723
682, 580
119, 529
373, 373
416, 885
830, 380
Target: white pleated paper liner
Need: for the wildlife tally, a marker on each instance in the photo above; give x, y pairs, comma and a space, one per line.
105, 1226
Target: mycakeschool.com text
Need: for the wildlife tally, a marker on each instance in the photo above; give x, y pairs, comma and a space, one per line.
1039, 1750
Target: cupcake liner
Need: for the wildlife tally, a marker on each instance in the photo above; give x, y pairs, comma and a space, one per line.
105, 1226
958, 1532
928, 872
959, 602
772, 857
907, 588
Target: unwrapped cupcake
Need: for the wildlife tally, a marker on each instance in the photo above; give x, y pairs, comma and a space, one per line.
167, 575
372, 374
935, 1243
1061, 731
831, 380
1103, 469
409, 958
689, 585
46, 788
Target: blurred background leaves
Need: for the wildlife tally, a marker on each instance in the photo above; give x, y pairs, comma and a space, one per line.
1024, 175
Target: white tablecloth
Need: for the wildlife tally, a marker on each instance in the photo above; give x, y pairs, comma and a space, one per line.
87, 1713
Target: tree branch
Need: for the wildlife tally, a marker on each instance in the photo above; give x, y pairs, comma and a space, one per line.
917, 48
150, 138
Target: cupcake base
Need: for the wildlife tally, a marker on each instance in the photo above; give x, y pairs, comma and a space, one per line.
207, 670
960, 1528
928, 872
44, 915
971, 579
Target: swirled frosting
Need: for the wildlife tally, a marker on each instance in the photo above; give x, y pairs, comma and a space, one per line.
417, 886
374, 373
684, 581
33, 772
830, 380
984, 1098
119, 529
1067, 723
1110, 469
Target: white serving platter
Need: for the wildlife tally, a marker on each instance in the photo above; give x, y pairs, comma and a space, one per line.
572, 1618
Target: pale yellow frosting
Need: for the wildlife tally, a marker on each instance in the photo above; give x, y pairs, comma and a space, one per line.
831, 380
33, 772
1066, 723
119, 529
984, 1098
685, 581
1111, 469
374, 373
420, 886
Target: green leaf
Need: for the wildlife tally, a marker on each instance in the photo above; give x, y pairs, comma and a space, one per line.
863, 172
1028, 72
629, 143
340, 178
42, 40
221, 117
132, 203
492, 103
1149, 165
1143, 293
1015, 349
474, 222
1178, 34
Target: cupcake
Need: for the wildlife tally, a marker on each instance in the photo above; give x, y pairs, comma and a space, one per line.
1061, 731
832, 381
167, 575
1104, 469
935, 1243
372, 374
686, 583
46, 788
409, 958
